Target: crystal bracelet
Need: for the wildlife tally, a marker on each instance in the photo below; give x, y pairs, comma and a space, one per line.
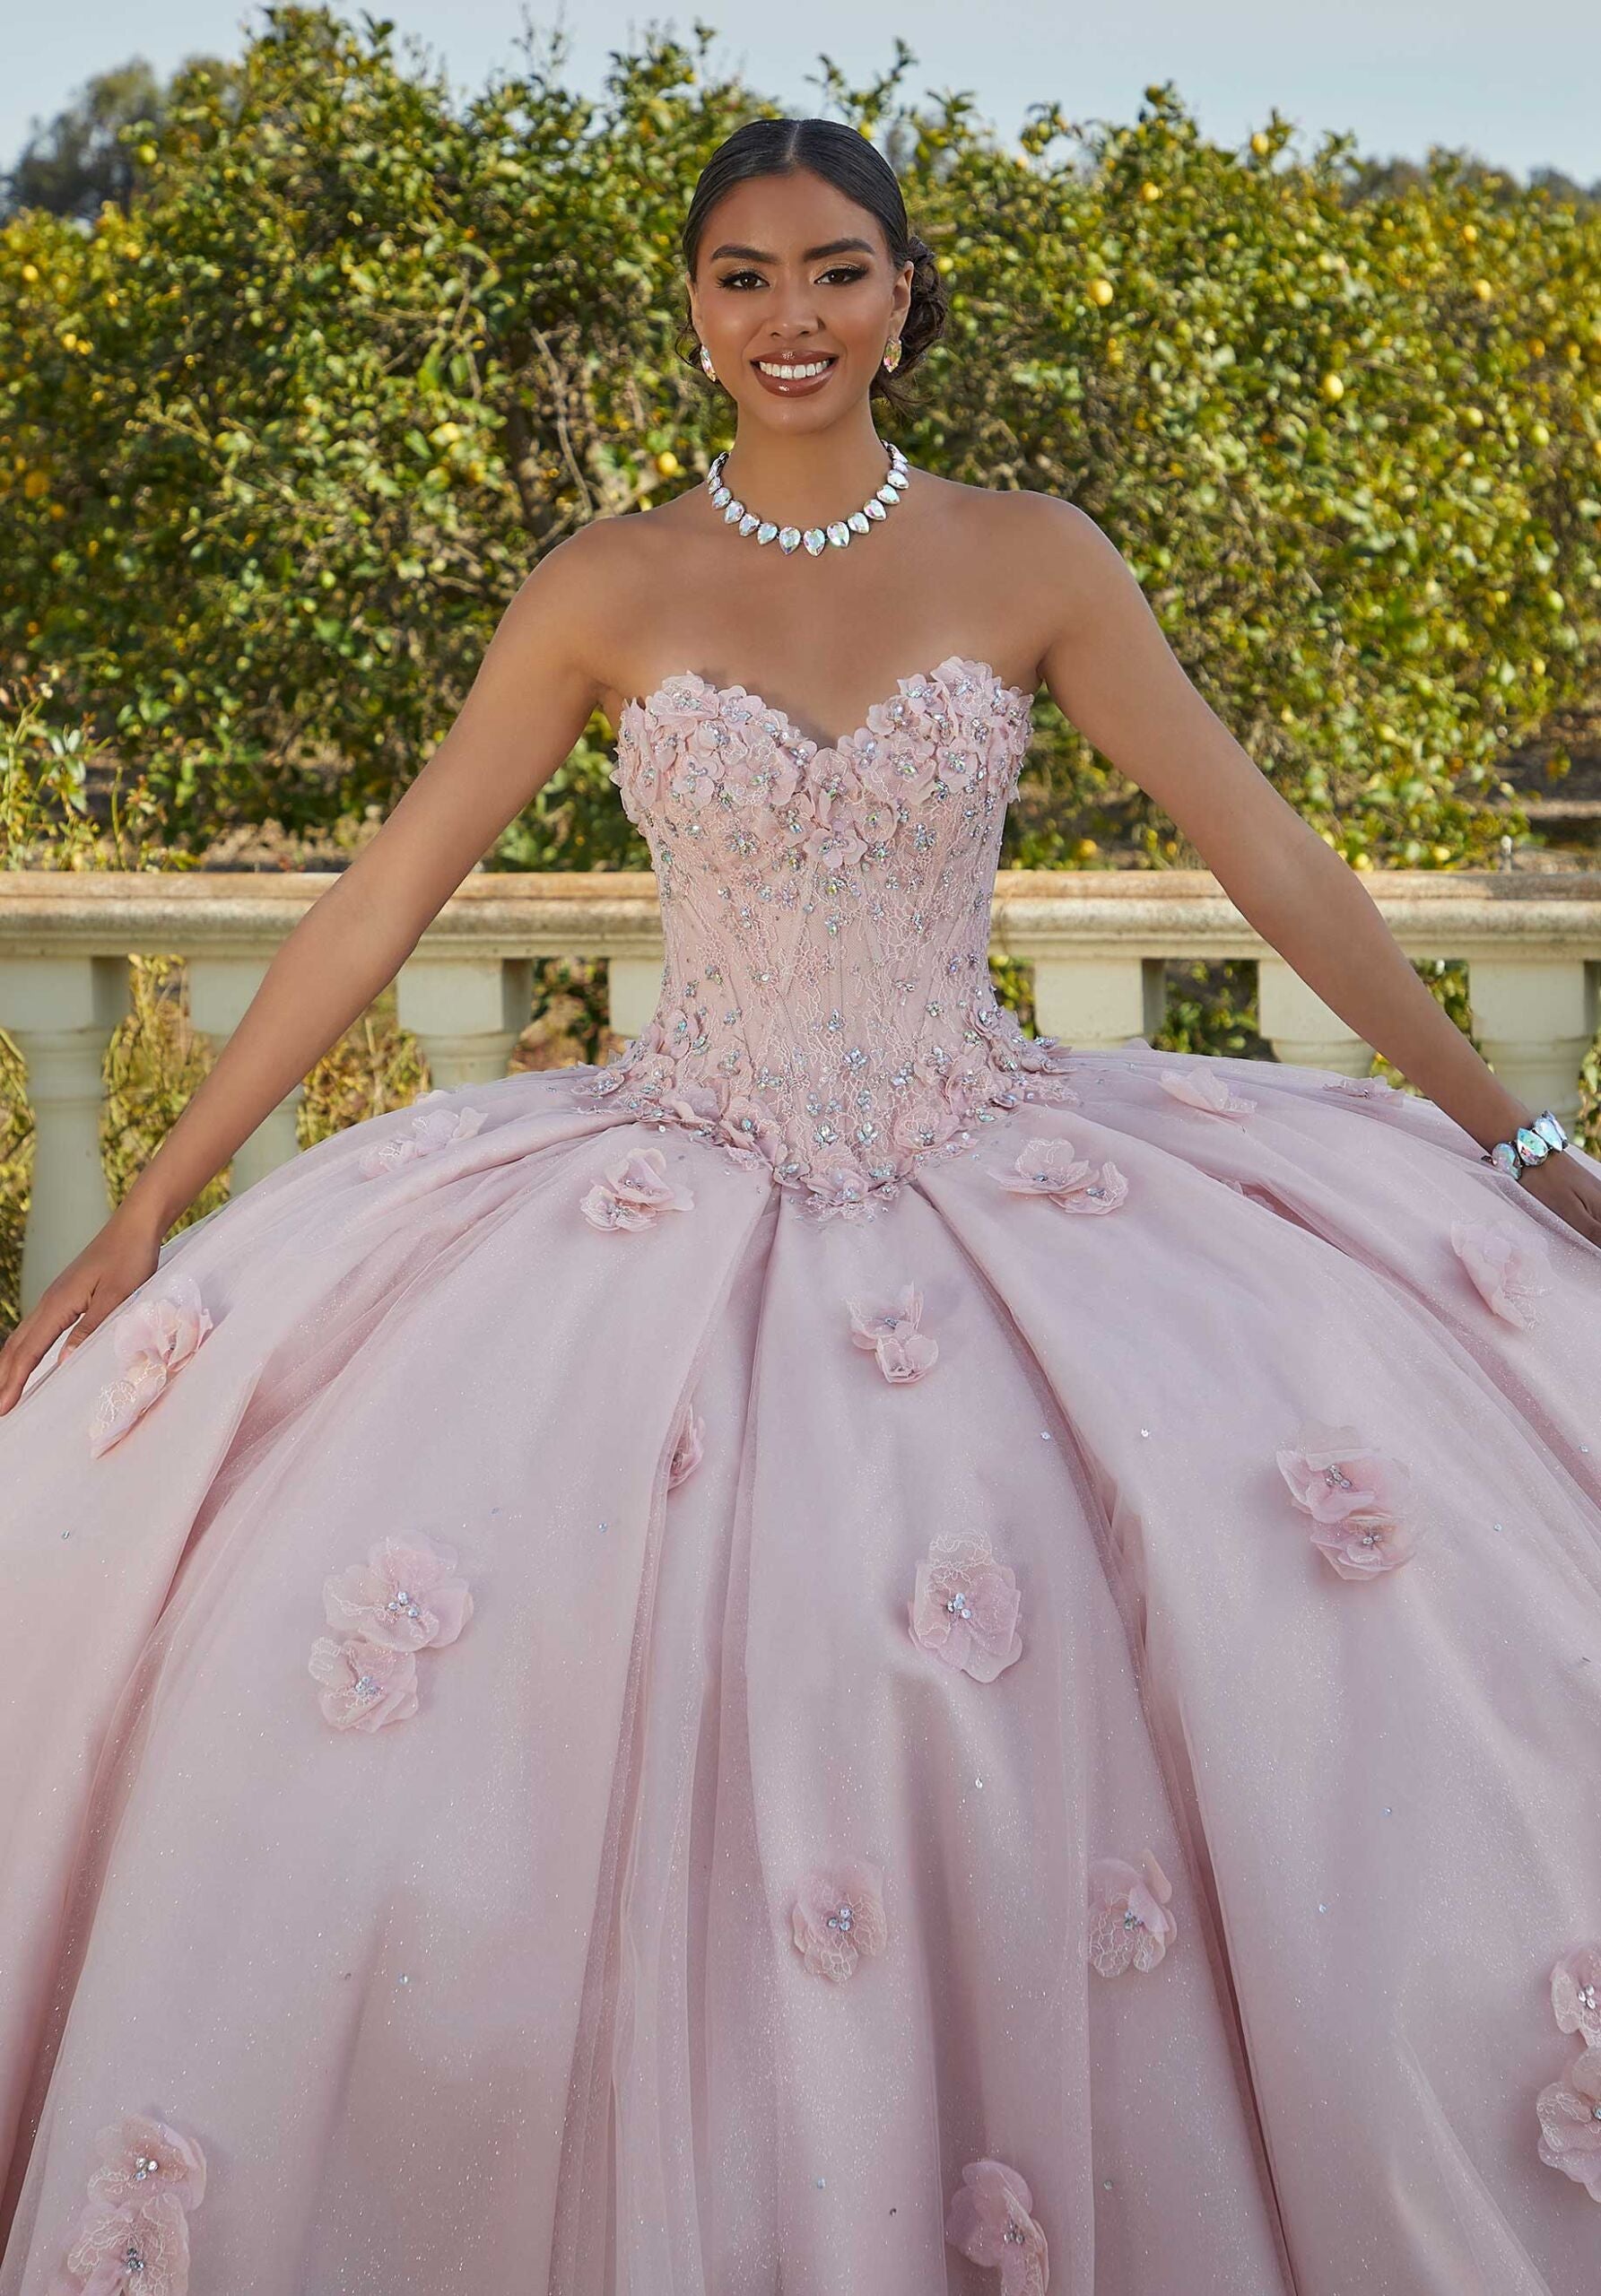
1531, 1144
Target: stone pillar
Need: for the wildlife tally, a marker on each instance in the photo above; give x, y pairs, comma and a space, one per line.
1535, 1019
61, 1013
220, 992
633, 990
1098, 1002
1300, 1027
465, 1012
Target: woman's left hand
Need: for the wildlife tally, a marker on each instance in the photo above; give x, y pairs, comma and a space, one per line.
1569, 1189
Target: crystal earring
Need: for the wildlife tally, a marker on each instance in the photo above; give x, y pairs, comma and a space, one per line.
891, 354
705, 362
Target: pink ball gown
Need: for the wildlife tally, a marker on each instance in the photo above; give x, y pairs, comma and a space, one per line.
855, 1653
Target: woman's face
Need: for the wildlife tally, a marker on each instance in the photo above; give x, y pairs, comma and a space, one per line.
791, 271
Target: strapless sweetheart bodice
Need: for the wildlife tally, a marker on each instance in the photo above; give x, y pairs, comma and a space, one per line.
827, 1013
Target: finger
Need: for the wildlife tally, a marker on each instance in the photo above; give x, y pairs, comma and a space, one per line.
31, 1341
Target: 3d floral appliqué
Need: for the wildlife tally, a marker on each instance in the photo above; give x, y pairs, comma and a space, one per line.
838, 1918
902, 1350
1200, 1088
1570, 2115
1050, 1168
635, 1190
405, 1595
1130, 1926
1356, 1498
1576, 1994
990, 2221
133, 2233
152, 1339
1507, 1269
364, 1683
965, 1605
404, 1598
434, 1125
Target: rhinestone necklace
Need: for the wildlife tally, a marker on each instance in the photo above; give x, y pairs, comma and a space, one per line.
878, 505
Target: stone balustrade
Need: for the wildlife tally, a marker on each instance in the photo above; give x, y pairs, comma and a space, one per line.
1096, 941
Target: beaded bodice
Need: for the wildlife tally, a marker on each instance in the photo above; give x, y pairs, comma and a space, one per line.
827, 1011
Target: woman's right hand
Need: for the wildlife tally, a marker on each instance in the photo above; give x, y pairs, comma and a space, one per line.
89, 1289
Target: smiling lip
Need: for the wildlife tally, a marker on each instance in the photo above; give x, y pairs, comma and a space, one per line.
786, 388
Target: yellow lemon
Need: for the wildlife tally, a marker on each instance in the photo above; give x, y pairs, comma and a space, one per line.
1482, 289
667, 463
1261, 144
1100, 291
30, 273
1333, 386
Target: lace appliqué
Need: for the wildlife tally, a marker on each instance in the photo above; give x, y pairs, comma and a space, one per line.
902, 1350
1130, 1926
404, 1598
1355, 1496
989, 2222
965, 1605
152, 1340
1508, 1268
827, 1016
838, 1918
133, 2234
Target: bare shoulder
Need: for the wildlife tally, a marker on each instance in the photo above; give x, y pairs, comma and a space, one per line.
592, 586
1040, 552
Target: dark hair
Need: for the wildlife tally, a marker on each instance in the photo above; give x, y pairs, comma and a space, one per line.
843, 157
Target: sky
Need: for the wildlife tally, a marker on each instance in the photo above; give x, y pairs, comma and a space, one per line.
1515, 83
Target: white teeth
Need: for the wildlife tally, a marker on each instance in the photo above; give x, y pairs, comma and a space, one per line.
793, 374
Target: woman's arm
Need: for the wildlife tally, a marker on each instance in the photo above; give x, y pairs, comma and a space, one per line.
1114, 676
528, 704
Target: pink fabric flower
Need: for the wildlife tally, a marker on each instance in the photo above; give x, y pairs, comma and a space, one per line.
688, 1451
1576, 1994
838, 1919
1362, 1544
634, 1191
1506, 1265
1203, 1088
903, 1352
365, 1683
150, 1340
1355, 1496
965, 1605
132, 2232
1569, 2111
1333, 1473
1130, 1926
989, 2222
1050, 1168
749, 1123
139, 2156
405, 1595
434, 1125
1377, 1091
143, 2246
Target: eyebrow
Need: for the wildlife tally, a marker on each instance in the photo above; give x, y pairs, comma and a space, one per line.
808, 254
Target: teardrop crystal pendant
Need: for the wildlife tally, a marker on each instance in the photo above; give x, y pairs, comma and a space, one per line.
837, 535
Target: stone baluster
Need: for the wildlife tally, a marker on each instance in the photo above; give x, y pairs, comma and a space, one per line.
1300, 1027
1535, 1019
633, 990
466, 1014
1098, 1002
61, 1013
221, 989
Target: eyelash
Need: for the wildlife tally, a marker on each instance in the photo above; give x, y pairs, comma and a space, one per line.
850, 271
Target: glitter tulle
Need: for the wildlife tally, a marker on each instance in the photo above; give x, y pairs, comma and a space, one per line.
853, 1653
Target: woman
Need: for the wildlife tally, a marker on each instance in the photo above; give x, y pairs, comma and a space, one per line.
855, 1652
